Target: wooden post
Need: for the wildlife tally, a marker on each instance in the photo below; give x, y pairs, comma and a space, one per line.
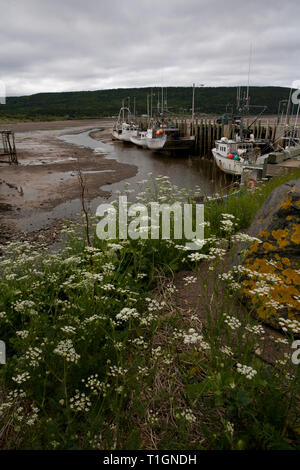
259, 129
196, 130
209, 138
267, 129
214, 133
200, 146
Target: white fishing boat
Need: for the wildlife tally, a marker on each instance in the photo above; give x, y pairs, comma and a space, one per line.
155, 140
140, 139
124, 128
125, 131
231, 156
156, 143
234, 156
168, 139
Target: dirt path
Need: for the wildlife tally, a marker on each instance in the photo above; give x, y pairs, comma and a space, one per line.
47, 174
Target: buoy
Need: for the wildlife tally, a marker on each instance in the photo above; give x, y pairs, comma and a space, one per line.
250, 183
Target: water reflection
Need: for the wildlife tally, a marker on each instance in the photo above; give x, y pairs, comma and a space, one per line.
183, 171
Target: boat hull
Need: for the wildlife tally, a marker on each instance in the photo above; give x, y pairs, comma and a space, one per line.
124, 137
232, 167
116, 135
183, 143
156, 143
140, 142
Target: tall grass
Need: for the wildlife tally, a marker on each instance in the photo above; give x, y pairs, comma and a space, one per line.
100, 355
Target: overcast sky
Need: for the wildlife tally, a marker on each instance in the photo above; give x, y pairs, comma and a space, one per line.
64, 45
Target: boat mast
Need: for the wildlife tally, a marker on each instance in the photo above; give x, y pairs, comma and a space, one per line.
288, 110
243, 100
250, 58
148, 111
166, 99
238, 98
193, 107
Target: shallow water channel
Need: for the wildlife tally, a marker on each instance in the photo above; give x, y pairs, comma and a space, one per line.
183, 171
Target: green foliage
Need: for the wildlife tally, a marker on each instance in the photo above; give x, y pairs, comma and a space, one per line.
106, 103
98, 359
243, 204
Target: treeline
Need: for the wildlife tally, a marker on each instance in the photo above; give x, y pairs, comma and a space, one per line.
106, 103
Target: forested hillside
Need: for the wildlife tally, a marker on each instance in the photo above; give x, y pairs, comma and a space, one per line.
104, 103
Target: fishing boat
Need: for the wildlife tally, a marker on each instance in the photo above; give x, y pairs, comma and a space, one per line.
125, 131
124, 128
233, 156
168, 139
140, 139
244, 152
156, 139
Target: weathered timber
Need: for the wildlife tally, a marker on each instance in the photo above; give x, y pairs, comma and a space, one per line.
8, 147
207, 131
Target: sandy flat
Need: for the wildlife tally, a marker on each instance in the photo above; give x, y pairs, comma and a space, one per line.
47, 173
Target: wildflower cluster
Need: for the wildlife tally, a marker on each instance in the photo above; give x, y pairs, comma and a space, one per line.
66, 350
287, 325
247, 371
80, 402
232, 322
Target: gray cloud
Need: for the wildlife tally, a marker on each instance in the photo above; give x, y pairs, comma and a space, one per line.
94, 44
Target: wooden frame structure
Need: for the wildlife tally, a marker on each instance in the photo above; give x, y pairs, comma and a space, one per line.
8, 147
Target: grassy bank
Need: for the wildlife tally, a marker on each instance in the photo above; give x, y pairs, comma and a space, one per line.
100, 356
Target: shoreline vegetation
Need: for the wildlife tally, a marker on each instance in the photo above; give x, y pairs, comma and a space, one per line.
102, 355
104, 103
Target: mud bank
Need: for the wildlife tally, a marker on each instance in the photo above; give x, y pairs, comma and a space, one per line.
47, 175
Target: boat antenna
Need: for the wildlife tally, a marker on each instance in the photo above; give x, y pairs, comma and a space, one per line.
148, 111
166, 99
238, 98
250, 58
288, 109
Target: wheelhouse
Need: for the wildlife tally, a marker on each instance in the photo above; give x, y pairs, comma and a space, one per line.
225, 147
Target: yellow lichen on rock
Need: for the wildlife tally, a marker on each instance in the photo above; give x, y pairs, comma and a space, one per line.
287, 203
273, 287
295, 237
280, 236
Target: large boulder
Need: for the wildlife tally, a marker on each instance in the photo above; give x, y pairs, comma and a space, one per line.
274, 263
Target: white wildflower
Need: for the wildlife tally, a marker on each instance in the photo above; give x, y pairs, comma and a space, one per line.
248, 371
66, 350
